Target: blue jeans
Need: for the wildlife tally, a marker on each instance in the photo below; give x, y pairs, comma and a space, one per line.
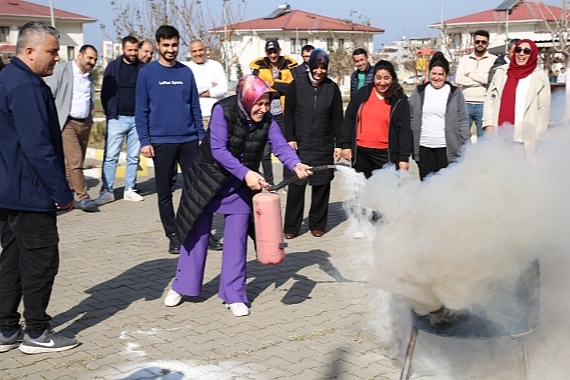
117, 130
475, 113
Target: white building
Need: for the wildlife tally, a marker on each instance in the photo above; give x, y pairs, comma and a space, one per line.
15, 13
511, 19
293, 29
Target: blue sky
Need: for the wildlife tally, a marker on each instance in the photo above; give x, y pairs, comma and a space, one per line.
397, 17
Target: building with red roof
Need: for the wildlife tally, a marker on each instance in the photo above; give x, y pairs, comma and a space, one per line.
511, 19
15, 13
293, 29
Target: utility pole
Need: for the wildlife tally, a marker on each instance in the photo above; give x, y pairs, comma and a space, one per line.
225, 41
51, 13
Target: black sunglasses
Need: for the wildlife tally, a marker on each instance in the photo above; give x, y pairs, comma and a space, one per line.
519, 49
480, 42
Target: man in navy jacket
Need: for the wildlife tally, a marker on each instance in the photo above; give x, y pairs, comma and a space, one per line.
168, 121
33, 187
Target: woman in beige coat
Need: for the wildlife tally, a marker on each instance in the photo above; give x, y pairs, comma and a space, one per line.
517, 101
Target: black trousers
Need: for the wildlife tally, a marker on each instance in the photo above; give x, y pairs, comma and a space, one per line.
28, 265
267, 164
432, 160
318, 213
166, 157
370, 159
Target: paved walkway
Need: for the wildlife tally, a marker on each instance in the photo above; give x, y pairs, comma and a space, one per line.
312, 317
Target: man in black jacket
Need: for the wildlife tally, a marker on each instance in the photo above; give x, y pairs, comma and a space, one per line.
118, 100
364, 73
503, 59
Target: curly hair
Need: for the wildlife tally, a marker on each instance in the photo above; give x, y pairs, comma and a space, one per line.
395, 90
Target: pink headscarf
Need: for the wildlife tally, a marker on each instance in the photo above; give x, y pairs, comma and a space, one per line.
249, 89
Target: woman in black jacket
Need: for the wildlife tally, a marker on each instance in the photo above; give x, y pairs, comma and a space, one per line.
376, 128
313, 118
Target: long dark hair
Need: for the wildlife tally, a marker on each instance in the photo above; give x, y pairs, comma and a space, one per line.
438, 60
395, 90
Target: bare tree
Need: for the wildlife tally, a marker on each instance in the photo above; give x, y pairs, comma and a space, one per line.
340, 51
193, 19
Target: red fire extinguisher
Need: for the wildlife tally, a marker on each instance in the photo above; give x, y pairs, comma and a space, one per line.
268, 222
268, 228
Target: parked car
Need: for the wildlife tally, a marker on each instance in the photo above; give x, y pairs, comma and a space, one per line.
414, 79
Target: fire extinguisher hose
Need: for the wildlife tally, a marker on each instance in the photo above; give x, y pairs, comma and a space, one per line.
294, 178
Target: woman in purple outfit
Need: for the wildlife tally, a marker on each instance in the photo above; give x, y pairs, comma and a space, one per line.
221, 180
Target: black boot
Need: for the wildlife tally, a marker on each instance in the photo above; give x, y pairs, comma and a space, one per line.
214, 244
174, 246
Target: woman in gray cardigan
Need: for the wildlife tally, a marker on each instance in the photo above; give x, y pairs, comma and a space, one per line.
440, 124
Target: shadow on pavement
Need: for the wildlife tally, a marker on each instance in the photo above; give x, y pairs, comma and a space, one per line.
264, 276
144, 281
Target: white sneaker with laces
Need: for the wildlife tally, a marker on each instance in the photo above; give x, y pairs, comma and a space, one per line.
238, 308
131, 195
172, 298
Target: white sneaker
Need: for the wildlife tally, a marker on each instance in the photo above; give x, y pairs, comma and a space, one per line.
131, 195
104, 197
238, 308
172, 298
359, 235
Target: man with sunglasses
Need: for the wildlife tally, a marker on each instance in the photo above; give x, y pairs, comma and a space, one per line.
472, 77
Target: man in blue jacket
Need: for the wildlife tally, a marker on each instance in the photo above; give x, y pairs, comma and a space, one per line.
33, 187
118, 100
168, 121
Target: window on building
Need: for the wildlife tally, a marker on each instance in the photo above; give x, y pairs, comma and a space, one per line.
70, 53
341, 44
330, 44
4, 34
297, 44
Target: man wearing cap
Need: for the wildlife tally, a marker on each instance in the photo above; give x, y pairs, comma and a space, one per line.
275, 70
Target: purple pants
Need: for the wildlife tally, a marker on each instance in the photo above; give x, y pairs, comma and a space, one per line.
193, 253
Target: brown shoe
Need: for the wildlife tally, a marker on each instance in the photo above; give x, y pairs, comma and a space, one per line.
317, 233
289, 236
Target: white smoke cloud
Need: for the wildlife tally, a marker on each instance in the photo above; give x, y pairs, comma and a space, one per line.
461, 239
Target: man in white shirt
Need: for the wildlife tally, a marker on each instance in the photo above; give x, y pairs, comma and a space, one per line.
212, 84
74, 93
211, 79
473, 76
561, 78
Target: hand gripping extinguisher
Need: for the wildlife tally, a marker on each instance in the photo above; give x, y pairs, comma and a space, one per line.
268, 222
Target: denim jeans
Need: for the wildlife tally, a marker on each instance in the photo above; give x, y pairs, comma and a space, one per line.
475, 113
117, 131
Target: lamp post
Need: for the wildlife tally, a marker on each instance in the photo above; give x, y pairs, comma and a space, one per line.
225, 43
51, 13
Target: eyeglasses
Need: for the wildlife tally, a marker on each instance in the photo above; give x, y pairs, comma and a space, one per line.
481, 42
306, 56
526, 51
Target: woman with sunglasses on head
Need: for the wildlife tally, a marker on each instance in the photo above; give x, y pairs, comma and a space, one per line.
440, 123
518, 99
221, 180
